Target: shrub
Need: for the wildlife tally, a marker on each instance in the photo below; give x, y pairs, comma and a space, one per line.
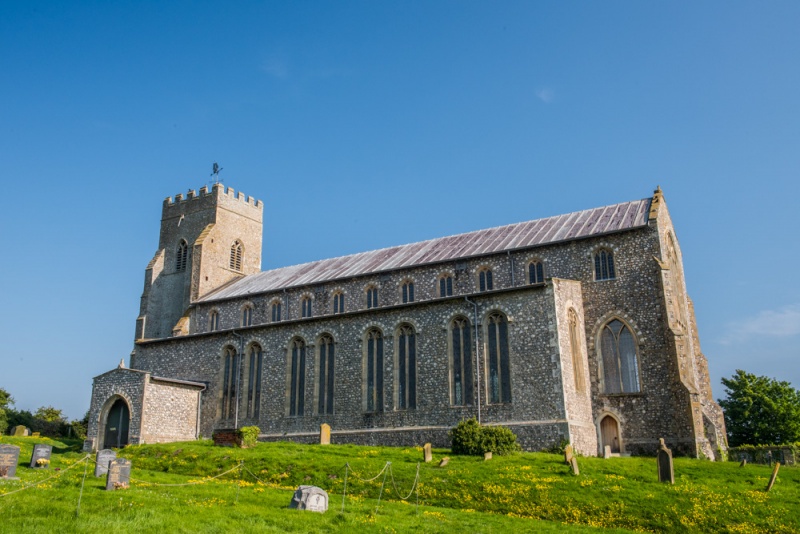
470, 438
249, 435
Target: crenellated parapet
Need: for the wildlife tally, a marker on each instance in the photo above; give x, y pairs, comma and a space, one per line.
219, 195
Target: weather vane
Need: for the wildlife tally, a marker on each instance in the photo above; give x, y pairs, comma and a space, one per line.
215, 170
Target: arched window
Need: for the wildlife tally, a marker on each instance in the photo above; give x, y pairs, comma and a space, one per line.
338, 302
535, 272
229, 374
619, 358
408, 292
373, 371
406, 366
460, 362
181, 256
254, 366
247, 315
236, 255
485, 280
372, 297
604, 265
213, 321
499, 372
446, 286
297, 376
325, 378
305, 307
575, 349
276, 311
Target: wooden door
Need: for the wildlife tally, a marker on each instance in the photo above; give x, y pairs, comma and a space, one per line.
609, 432
117, 425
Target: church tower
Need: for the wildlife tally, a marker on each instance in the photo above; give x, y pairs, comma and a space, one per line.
206, 241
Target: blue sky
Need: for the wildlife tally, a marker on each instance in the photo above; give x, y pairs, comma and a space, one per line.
369, 124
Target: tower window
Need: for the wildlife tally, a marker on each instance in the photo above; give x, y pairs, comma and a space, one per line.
181, 256
604, 265
536, 272
236, 255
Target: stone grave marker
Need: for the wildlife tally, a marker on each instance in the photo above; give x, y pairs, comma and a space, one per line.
743, 463
774, 476
310, 498
88, 445
569, 453
101, 461
444, 461
487, 455
36, 434
607, 451
9, 458
324, 434
573, 464
665, 471
20, 431
40, 458
119, 474
426, 451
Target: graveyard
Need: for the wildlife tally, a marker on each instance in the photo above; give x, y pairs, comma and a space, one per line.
192, 486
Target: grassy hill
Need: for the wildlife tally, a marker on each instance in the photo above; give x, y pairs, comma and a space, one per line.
178, 487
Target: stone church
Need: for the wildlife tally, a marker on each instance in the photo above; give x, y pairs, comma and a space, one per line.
575, 327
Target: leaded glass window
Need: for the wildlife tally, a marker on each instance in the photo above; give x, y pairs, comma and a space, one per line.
604, 265
446, 286
325, 375
297, 377
338, 302
620, 361
255, 362
247, 315
372, 297
406, 368
374, 371
536, 272
305, 307
229, 374
213, 321
408, 292
461, 362
485, 280
499, 372
181, 256
276, 311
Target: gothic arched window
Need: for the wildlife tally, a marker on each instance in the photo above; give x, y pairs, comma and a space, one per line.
338, 302
325, 375
446, 286
408, 292
373, 371
406, 366
247, 315
254, 366
236, 255
460, 362
577, 354
604, 265
535, 272
499, 371
181, 256
305, 307
372, 297
229, 374
619, 358
297, 376
485, 282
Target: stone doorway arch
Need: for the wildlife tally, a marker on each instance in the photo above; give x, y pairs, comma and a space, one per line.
609, 434
117, 424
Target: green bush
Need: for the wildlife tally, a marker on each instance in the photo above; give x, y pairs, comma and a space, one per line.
470, 438
249, 435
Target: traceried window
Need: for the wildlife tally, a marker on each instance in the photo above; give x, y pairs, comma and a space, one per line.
499, 371
276, 311
213, 321
181, 256
236, 255
575, 349
373, 371
372, 297
255, 359
604, 265
230, 371
408, 292
535, 272
338, 302
297, 376
325, 375
446, 286
305, 307
406, 368
619, 358
460, 362
485, 282
247, 315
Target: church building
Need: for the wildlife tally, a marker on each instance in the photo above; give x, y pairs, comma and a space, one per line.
576, 327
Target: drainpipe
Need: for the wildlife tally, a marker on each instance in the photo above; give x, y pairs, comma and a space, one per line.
477, 355
238, 376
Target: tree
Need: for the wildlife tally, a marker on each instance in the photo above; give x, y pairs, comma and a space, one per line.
5, 402
50, 414
760, 410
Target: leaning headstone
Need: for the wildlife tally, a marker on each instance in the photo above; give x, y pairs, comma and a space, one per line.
665, 471
774, 476
310, 498
569, 454
101, 461
573, 463
744, 462
20, 431
324, 434
9, 458
607, 451
444, 461
41, 456
487, 455
119, 474
426, 451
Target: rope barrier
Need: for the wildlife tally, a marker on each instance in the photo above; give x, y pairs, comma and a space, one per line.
192, 483
413, 486
48, 478
370, 479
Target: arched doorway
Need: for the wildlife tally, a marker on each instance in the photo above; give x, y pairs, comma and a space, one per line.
117, 423
609, 434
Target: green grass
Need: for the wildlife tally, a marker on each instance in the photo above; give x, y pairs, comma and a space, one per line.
523, 492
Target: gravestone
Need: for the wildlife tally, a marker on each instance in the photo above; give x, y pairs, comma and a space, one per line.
487, 455
774, 476
101, 461
310, 498
426, 451
665, 470
9, 458
119, 474
324, 434
444, 461
573, 463
41, 456
88, 445
20, 431
569, 454
607, 451
36, 434
744, 462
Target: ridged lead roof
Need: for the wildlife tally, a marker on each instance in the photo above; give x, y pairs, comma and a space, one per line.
579, 224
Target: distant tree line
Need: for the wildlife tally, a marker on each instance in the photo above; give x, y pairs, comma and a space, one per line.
47, 420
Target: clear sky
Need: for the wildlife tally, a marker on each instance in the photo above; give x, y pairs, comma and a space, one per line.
369, 124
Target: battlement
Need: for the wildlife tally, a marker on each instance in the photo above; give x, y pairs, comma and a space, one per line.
218, 194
